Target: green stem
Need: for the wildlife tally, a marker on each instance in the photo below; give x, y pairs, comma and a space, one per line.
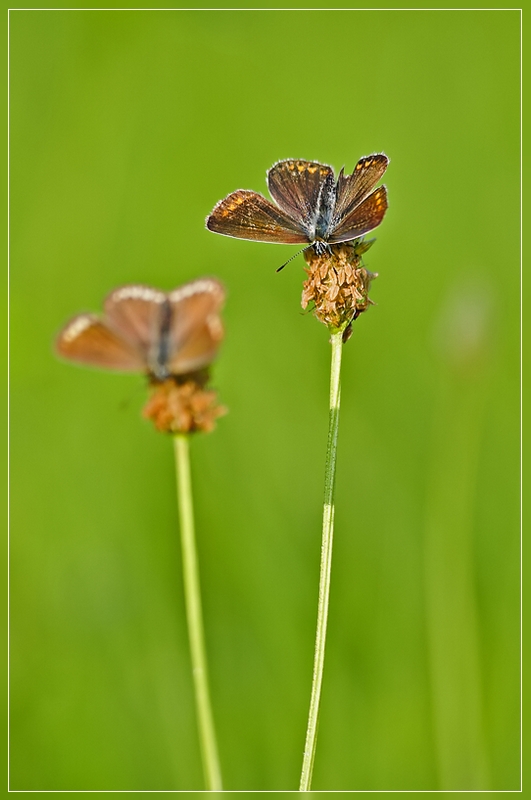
207, 735
326, 563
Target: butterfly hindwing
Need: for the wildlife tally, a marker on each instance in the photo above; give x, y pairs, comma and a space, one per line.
248, 215
362, 219
353, 189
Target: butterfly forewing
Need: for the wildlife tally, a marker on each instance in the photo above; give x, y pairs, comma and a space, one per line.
352, 189
296, 185
362, 219
135, 312
88, 340
196, 329
248, 215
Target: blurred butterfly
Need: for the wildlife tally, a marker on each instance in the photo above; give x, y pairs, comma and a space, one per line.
161, 333
310, 206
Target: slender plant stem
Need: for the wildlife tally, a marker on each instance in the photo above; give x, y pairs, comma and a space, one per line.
207, 734
326, 563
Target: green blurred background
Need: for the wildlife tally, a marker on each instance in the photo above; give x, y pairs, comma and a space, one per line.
126, 128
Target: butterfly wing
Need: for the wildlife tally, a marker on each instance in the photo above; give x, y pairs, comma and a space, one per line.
248, 215
134, 311
362, 219
196, 329
88, 340
353, 189
296, 187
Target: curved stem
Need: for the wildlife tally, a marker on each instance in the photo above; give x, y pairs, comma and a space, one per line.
326, 563
205, 720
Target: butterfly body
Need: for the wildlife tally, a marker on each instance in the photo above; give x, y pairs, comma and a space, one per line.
144, 329
310, 206
325, 210
160, 350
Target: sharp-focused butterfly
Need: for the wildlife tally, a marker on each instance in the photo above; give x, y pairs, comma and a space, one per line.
311, 207
160, 333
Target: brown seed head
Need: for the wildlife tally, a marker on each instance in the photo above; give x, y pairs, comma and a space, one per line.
182, 405
337, 284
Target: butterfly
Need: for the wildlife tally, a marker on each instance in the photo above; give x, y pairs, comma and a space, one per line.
310, 206
142, 328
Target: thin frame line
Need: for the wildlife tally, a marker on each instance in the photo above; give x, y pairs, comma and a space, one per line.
162, 8
8, 417
521, 407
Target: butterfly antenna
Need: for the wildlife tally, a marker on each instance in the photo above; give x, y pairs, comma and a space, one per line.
292, 257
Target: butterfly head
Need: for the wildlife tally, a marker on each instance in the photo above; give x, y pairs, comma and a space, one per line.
320, 247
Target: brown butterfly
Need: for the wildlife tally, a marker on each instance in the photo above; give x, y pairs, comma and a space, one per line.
161, 333
310, 206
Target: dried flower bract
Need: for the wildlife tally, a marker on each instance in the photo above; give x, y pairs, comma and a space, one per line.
337, 284
181, 404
